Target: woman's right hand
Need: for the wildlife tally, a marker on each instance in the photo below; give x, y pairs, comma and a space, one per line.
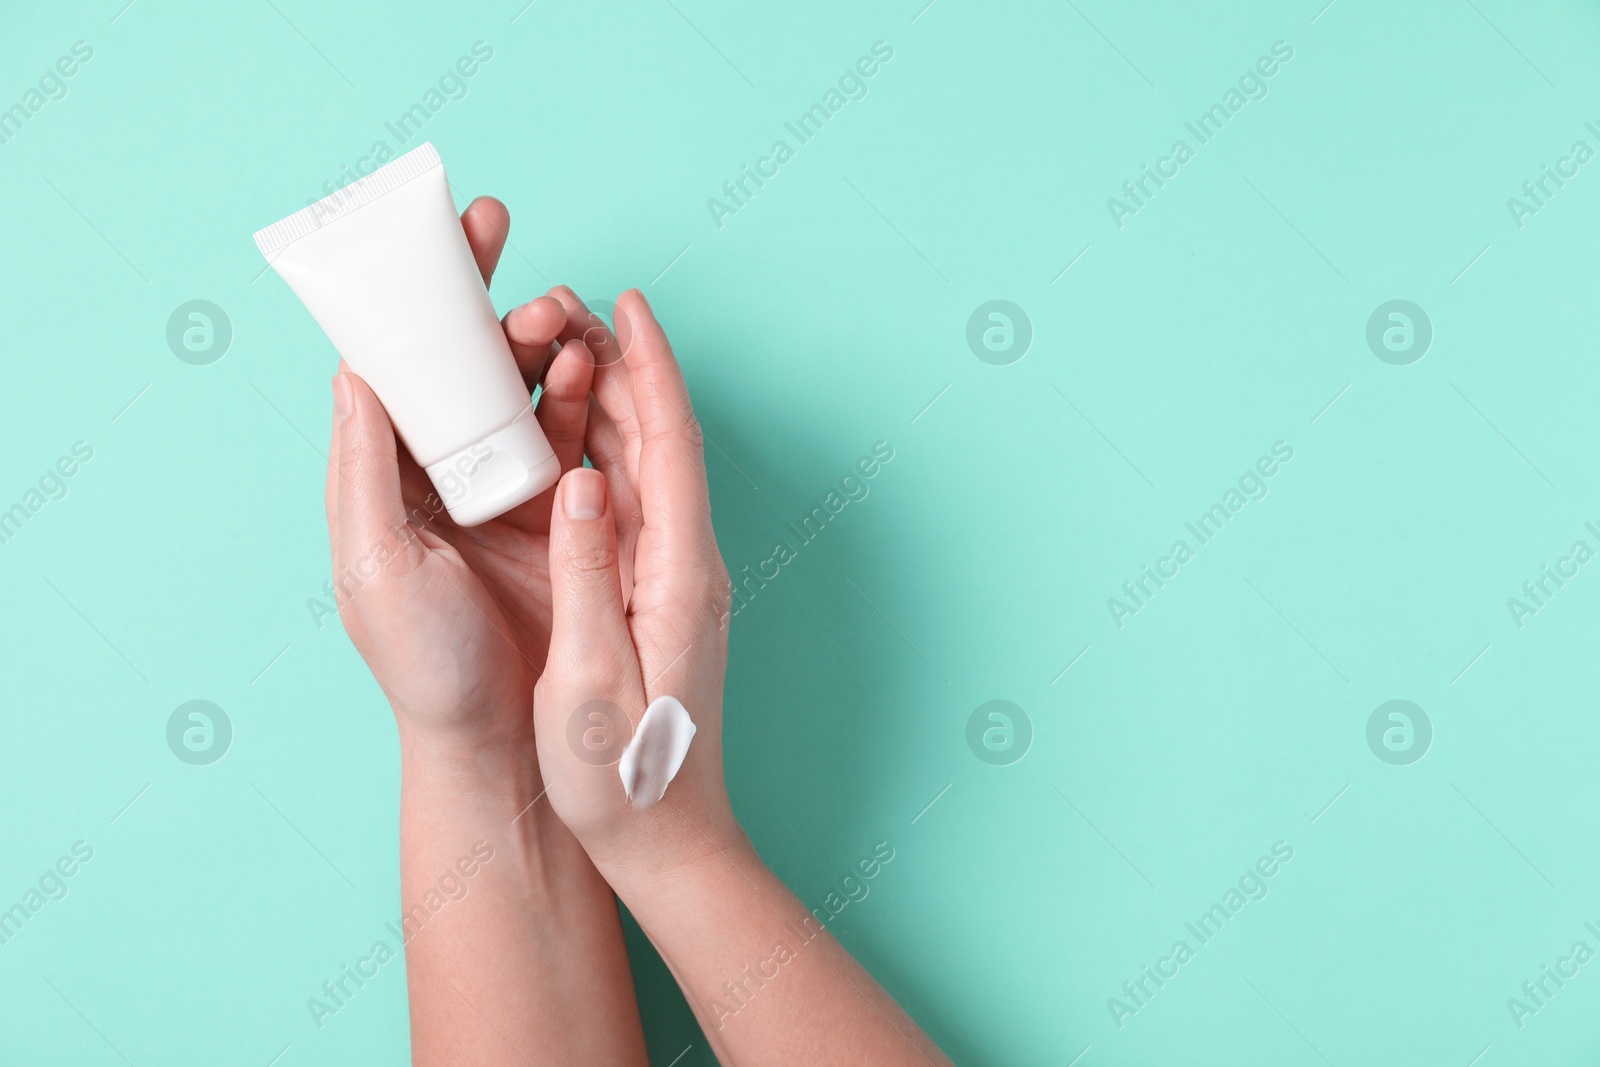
640, 601
650, 619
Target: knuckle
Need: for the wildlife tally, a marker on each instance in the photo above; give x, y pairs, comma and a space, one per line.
692, 432
629, 509
559, 433
586, 560
671, 427
589, 672
719, 594
710, 596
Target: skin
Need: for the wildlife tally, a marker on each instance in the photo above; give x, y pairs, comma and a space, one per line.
640, 602
489, 641
529, 966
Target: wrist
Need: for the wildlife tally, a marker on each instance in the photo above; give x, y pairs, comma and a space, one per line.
462, 752
448, 772
457, 793
673, 842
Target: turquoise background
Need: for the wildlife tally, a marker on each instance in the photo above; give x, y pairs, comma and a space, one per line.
828, 314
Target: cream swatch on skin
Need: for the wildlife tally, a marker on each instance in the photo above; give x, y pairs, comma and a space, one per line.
653, 757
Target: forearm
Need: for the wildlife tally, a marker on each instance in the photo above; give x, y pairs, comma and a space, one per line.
520, 961
768, 983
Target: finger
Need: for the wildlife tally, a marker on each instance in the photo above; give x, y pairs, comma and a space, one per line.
343, 588
330, 485
563, 411
611, 371
604, 445
371, 511
530, 328
416, 488
413, 480
591, 649
487, 223
671, 475
423, 505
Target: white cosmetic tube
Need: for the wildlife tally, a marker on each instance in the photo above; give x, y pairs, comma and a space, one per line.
384, 267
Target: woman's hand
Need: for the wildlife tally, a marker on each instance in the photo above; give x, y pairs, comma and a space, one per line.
453, 622
640, 603
639, 610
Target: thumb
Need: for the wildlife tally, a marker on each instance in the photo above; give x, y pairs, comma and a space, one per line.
591, 647
371, 512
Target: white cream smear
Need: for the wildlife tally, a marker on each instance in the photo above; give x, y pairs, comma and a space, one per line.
653, 757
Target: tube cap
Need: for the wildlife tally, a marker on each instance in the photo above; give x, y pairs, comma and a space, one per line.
496, 473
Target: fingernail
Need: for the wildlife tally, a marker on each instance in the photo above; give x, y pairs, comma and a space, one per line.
344, 397
513, 319
541, 305
584, 496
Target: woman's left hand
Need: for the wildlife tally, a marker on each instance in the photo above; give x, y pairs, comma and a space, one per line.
453, 622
